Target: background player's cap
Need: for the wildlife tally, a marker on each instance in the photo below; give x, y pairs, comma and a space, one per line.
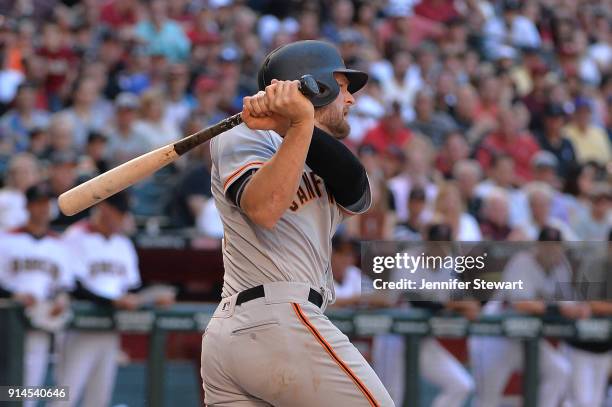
38, 192
119, 201
550, 234
439, 232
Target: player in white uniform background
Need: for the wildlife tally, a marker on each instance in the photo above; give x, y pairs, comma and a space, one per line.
105, 265
592, 360
436, 364
281, 192
34, 270
494, 359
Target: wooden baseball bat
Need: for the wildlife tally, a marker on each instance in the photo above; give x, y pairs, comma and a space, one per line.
127, 174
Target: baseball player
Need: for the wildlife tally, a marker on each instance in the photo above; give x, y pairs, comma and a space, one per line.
437, 365
106, 269
282, 183
494, 359
591, 360
34, 271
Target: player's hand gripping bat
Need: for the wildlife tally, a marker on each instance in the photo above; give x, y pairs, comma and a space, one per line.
119, 178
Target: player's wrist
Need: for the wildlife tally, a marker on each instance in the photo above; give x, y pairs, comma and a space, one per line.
302, 123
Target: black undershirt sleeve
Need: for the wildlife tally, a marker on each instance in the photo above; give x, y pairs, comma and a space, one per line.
433, 306
342, 172
331, 160
5, 293
82, 293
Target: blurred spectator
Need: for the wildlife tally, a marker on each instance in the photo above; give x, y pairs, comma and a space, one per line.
16, 124
347, 277
467, 174
206, 111
58, 61
433, 124
596, 225
501, 174
400, 80
152, 124
125, 141
417, 172
449, 209
465, 115
119, 13
512, 28
540, 197
495, 222
366, 112
191, 195
378, 222
342, 13
179, 103
162, 35
61, 134
39, 142
96, 152
454, 150
551, 138
411, 228
544, 166
390, 131
23, 172
508, 139
590, 142
85, 114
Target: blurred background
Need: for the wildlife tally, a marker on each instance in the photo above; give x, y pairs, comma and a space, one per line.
492, 117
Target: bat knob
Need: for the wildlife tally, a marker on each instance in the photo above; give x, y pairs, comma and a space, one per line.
309, 86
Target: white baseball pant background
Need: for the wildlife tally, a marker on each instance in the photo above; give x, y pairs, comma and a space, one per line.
36, 360
88, 366
494, 359
589, 379
436, 365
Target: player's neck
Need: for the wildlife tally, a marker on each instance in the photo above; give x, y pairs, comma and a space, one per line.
37, 229
99, 226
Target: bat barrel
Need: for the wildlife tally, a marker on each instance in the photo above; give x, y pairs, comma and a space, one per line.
119, 178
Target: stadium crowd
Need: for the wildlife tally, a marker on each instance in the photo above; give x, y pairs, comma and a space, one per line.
482, 120
492, 116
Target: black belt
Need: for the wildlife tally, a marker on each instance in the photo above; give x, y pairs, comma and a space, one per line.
258, 292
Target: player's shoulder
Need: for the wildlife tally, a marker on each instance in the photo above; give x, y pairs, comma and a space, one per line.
81, 228
241, 135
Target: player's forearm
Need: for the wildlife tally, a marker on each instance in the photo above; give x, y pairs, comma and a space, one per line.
270, 191
342, 172
601, 307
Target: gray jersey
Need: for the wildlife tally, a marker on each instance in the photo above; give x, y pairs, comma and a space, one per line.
298, 248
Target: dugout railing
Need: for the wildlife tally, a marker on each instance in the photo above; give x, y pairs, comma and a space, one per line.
412, 323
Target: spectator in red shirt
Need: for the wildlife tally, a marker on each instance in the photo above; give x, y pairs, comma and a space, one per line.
390, 132
119, 13
489, 92
59, 61
441, 11
508, 139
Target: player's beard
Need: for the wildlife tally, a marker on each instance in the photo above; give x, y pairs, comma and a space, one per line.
334, 120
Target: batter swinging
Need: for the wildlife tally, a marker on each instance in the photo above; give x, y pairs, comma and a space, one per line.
283, 182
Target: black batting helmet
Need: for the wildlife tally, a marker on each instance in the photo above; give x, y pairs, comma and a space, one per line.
317, 58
